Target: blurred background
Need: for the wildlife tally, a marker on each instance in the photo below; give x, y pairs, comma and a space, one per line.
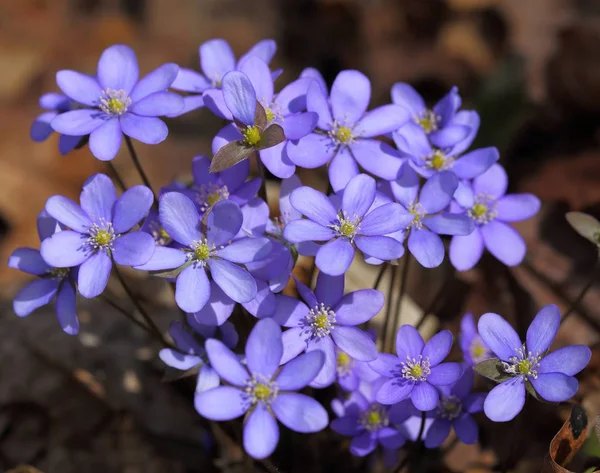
531, 68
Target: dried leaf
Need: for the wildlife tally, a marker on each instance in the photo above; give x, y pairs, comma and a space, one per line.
260, 116
230, 154
271, 136
567, 442
24, 469
597, 427
170, 273
492, 369
586, 225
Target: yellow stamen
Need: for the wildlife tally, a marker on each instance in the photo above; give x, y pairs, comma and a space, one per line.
251, 135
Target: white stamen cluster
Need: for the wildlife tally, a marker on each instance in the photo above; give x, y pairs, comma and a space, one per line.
525, 364
272, 110
201, 252
114, 102
428, 120
439, 161
320, 320
260, 389
478, 351
209, 195
342, 133
419, 212
344, 364
101, 235
450, 407
346, 226
374, 418
416, 369
483, 210
159, 234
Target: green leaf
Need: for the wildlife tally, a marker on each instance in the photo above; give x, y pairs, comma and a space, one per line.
170, 273
271, 136
230, 154
492, 369
586, 225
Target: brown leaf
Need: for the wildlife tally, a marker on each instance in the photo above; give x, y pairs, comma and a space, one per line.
271, 136
597, 427
230, 154
260, 116
567, 442
24, 469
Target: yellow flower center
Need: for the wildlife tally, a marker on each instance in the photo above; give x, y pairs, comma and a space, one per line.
428, 121
163, 234
438, 160
524, 366
344, 135
251, 135
114, 102
262, 392
103, 237
478, 350
213, 198
343, 359
321, 321
202, 252
270, 114
374, 418
347, 229
416, 371
479, 210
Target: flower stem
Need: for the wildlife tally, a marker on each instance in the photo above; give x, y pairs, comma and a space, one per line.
583, 292
152, 326
439, 296
116, 176
379, 278
388, 313
262, 191
130, 316
403, 286
138, 166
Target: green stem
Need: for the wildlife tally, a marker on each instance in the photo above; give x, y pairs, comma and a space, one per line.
582, 293
379, 278
388, 313
403, 286
262, 192
117, 177
138, 166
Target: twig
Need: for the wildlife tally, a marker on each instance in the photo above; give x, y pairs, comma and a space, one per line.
130, 316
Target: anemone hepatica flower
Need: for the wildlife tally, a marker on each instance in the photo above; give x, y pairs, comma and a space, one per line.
253, 132
351, 372
354, 225
54, 283
490, 210
216, 60
206, 250
116, 103
423, 217
369, 423
345, 131
443, 125
55, 104
417, 370
285, 109
99, 232
471, 344
456, 406
262, 391
327, 319
190, 353
550, 374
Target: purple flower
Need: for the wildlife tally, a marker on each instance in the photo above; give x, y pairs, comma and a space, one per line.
443, 125
54, 283
190, 353
550, 375
153, 227
327, 319
285, 109
41, 129
262, 390
454, 410
117, 102
471, 344
485, 203
417, 370
203, 250
99, 232
345, 131
216, 60
351, 372
423, 217
354, 225
369, 423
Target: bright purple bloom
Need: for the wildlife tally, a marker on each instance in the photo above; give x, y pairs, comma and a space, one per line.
190, 353
551, 375
423, 214
456, 406
353, 225
443, 125
285, 109
212, 249
99, 232
471, 344
116, 103
216, 60
262, 390
54, 283
346, 131
41, 129
369, 423
418, 370
485, 203
350, 372
327, 319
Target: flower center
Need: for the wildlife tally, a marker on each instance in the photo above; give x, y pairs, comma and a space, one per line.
160, 235
269, 113
58, 273
114, 102
484, 209
101, 235
201, 251
478, 350
450, 407
416, 369
438, 161
524, 364
418, 211
428, 121
251, 135
321, 320
374, 418
211, 194
341, 134
346, 227
261, 389
344, 363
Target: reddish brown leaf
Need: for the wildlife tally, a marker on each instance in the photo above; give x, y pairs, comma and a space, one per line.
567, 442
271, 136
260, 116
230, 154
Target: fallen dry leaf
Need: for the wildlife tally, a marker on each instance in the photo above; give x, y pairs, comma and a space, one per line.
567, 442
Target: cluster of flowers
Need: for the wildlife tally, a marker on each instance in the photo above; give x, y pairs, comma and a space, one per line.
216, 241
